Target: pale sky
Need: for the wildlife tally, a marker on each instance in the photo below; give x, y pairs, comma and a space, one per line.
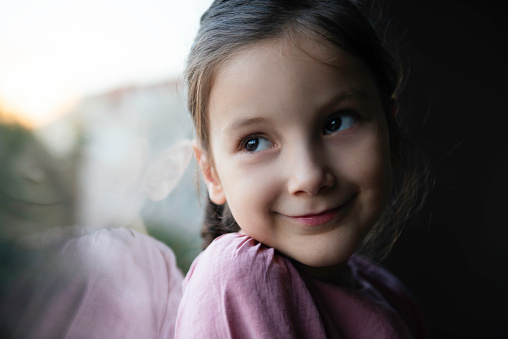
54, 51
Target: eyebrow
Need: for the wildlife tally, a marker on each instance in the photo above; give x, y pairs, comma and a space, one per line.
344, 95
244, 123
335, 100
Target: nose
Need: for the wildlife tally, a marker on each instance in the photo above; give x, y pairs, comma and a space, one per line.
309, 171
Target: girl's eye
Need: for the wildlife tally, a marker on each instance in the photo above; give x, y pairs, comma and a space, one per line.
256, 144
340, 122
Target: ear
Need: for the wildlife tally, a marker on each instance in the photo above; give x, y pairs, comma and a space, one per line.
215, 191
164, 172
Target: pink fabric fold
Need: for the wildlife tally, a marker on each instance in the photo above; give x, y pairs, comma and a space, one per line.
112, 283
238, 288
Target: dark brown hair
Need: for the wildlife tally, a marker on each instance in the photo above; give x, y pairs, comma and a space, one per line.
229, 26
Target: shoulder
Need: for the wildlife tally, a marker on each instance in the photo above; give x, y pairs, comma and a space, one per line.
115, 246
109, 280
240, 288
88, 247
375, 276
375, 273
115, 262
232, 247
234, 257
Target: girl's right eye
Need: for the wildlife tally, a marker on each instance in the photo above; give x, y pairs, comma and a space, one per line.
256, 144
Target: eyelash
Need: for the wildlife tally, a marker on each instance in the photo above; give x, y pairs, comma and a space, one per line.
342, 114
243, 143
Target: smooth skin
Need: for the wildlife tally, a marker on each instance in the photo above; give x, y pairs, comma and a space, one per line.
299, 150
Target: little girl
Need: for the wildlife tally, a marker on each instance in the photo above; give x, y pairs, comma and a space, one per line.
294, 105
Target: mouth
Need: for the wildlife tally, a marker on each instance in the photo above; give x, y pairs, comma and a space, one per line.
319, 218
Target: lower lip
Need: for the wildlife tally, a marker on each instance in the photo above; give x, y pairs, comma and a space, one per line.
318, 219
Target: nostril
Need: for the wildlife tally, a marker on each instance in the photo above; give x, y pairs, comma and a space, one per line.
311, 182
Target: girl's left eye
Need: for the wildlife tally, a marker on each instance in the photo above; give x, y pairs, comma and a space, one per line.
256, 144
340, 122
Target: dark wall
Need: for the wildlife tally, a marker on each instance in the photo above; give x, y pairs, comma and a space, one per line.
458, 99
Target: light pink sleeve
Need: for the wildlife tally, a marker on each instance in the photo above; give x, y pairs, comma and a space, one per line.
108, 284
239, 288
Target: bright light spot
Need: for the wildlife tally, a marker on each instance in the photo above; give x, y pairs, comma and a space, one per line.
54, 51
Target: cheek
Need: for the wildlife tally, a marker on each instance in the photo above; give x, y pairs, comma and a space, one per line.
249, 190
376, 174
368, 167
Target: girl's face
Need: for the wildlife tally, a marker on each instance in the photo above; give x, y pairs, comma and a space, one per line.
300, 149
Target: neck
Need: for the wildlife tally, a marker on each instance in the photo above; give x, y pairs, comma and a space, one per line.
339, 274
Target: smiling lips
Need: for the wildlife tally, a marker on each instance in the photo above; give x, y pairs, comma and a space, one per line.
317, 219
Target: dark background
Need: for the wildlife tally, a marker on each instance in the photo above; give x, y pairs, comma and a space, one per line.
457, 267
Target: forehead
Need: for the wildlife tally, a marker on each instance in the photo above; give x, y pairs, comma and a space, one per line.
269, 51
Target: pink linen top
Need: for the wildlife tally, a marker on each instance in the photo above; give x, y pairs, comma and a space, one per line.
111, 283
239, 288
